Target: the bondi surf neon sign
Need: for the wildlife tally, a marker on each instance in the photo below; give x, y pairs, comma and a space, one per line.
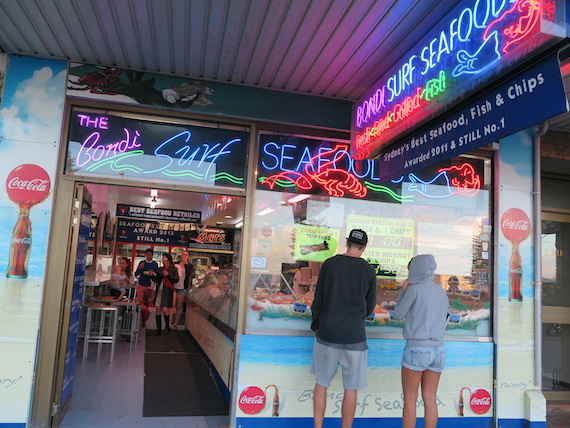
109, 145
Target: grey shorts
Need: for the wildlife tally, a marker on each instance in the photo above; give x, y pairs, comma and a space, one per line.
420, 358
180, 291
326, 360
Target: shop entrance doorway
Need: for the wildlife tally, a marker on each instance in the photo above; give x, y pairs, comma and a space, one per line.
556, 305
129, 378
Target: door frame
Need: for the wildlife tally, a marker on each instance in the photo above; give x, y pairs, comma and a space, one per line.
53, 302
555, 314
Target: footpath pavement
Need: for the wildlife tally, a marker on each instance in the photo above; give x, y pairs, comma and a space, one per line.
558, 414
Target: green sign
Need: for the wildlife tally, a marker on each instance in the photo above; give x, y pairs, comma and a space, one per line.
315, 244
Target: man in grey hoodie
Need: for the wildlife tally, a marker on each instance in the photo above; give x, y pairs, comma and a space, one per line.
425, 306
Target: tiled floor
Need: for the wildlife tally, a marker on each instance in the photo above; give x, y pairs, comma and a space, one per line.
111, 395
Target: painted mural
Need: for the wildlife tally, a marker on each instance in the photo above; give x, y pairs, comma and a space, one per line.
515, 335
275, 384
118, 85
30, 125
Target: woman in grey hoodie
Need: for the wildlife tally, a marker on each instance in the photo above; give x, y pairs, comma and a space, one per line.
424, 305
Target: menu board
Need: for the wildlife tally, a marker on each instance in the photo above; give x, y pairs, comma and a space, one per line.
315, 244
390, 242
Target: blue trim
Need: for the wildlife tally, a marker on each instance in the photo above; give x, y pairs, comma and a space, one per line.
520, 423
12, 425
360, 422
222, 388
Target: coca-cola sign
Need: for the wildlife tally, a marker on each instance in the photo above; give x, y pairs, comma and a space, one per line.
252, 400
28, 185
515, 225
480, 401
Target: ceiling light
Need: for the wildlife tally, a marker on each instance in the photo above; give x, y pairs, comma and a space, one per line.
298, 198
239, 224
265, 211
153, 193
228, 216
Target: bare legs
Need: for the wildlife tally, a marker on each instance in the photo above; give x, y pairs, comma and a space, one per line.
172, 309
320, 404
348, 407
430, 380
179, 303
411, 381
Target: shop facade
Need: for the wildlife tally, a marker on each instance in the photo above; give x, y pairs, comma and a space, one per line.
304, 184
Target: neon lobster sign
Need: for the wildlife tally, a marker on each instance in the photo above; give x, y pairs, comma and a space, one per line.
331, 170
473, 44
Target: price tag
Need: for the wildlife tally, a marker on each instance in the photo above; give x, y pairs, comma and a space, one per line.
299, 308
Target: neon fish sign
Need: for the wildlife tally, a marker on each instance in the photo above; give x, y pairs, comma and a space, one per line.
468, 47
107, 144
331, 170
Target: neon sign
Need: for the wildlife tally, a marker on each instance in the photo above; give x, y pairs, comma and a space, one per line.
316, 167
475, 43
108, 145
403, 110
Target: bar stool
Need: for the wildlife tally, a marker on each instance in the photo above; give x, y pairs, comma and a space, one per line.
100, 327
129, 320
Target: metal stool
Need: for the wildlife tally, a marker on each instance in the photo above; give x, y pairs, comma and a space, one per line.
129, 320
100, 327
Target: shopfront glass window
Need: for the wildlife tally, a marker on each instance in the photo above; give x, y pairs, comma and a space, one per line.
306, 202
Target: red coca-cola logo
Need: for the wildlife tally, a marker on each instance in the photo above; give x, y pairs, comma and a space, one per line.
480, 401
28, 185
252, 400
515, 225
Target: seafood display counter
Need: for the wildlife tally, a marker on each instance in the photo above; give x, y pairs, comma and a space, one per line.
213, 294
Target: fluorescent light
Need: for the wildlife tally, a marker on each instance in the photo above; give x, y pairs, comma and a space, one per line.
153, 192
298, 198
265, 211
239, 224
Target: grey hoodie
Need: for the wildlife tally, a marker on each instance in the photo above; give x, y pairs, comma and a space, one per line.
424, 305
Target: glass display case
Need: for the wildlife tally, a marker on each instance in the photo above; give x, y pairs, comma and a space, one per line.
214, 291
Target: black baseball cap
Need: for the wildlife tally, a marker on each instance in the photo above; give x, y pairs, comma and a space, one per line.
358, 236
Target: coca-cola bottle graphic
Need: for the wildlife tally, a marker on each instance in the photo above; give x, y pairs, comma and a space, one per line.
20, 246
515, 275
275, 406
515, 226
461, 404
26, 185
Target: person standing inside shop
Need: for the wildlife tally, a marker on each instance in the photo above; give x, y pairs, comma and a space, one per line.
424, 305
143, 273
165, 278
185, 272
345, 295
